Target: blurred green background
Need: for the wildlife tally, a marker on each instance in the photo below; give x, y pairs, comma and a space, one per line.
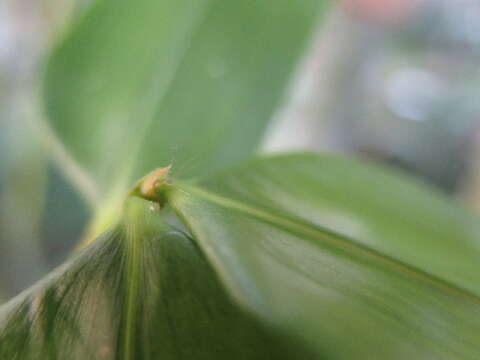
393, 81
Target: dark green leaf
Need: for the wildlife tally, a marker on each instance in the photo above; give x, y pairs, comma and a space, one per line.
141, 291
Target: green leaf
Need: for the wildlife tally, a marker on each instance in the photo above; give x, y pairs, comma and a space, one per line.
404, 283
141, 291
134, 85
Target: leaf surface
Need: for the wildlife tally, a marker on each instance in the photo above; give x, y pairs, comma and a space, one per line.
357, 261
139, 84
141, 291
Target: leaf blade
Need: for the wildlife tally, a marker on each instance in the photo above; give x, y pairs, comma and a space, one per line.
141, 291
328, 290
189, 75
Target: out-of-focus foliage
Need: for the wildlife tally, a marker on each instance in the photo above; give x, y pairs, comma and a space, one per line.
27, 195
132, 87
408, 70
154, 72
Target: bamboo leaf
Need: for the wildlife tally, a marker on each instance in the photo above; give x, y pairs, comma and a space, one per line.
141, 291
145, 291
403, 284
134, 85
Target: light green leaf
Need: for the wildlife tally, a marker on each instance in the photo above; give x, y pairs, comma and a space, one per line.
141, 291
134, 85
403, 284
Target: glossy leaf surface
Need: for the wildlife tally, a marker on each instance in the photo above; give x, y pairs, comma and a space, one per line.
407, 288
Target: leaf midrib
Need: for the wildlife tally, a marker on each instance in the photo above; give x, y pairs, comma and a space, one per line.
300, 226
